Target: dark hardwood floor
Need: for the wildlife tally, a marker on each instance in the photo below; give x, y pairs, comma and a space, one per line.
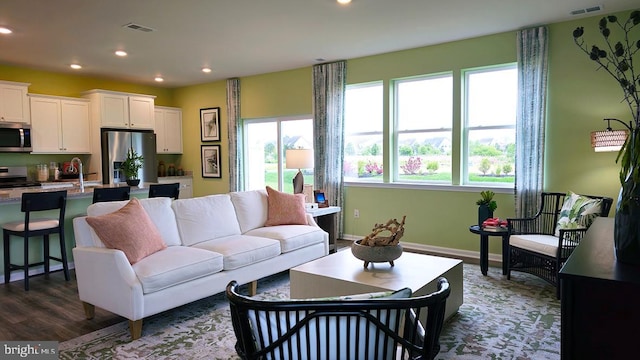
49, 311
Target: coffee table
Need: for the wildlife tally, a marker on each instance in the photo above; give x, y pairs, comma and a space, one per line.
342, 274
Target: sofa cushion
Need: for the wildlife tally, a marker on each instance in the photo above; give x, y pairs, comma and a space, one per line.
251, 208
158, 209
578, 212
205, 218
291, 237
543, 244
285, 209
130, 230
242, 250
175, 265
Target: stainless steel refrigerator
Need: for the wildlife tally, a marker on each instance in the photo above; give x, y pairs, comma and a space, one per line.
116, 143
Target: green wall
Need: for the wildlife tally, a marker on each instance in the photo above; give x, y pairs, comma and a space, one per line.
579, 98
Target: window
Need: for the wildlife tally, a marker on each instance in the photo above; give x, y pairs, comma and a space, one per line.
265, 145
490, 117
363, 132
424, 116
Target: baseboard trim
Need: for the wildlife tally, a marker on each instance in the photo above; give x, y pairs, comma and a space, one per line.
474, 256
36, 270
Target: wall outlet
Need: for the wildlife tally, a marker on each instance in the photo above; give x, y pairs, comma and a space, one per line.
356, 213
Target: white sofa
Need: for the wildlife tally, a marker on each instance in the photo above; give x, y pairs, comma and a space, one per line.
210, 240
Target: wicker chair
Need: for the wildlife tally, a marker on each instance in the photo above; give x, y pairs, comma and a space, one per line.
375, 329
533, 246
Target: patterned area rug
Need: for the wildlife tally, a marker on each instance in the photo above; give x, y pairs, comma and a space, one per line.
499, 319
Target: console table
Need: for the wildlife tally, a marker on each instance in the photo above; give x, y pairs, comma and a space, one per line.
599, 299
326, 219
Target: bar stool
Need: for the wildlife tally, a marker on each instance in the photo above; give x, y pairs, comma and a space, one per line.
111, 194
164, 190
34, 202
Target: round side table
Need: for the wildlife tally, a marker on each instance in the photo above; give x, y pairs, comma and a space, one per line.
484, 247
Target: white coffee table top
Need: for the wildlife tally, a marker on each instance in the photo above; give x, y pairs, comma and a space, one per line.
411, 270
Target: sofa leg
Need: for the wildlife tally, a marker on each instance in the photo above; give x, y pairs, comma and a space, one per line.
89, 310
253, 288
135, 326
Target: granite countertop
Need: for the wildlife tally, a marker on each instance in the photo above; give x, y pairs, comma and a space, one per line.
9, 196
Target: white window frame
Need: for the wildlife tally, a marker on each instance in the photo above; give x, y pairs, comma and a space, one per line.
466, 128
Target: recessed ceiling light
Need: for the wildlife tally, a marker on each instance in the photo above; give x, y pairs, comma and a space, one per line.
206, 70
76, 66
344, 2
4, 30
159, 79
121, 53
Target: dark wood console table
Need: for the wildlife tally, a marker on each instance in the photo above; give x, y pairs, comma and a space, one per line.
600, 300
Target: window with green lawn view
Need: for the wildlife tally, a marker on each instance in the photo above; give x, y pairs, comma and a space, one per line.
491, 98
421, 133
265, 144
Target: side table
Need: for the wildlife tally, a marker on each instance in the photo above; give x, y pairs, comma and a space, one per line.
484, 247
326, 219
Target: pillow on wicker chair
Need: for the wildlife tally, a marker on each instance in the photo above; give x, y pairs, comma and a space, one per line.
578, 212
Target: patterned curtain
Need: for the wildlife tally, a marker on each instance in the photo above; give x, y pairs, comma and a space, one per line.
531, 118
328, 129
235, 151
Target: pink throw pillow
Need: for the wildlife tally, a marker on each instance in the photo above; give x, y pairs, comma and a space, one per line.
285, 209
128, 229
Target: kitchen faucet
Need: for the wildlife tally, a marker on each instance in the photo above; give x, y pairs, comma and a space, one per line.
80, 177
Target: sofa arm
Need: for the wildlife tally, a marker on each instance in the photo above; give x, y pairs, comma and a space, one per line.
107, 280
311, 221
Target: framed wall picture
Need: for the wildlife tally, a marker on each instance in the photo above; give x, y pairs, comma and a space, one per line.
210, 124
211, 161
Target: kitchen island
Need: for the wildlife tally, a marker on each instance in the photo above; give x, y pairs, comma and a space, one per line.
77, 203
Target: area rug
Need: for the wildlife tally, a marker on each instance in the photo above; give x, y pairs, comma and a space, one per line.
499, 319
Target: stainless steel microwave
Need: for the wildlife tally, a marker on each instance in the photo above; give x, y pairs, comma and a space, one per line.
15, 137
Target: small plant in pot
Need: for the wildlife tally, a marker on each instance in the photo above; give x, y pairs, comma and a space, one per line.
486, 206
131, 165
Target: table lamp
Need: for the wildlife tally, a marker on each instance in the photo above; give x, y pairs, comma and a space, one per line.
299, 159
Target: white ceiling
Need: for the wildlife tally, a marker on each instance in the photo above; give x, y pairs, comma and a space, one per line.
247, 37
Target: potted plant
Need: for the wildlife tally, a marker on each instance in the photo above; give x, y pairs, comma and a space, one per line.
486, 206
616, 57
131, 165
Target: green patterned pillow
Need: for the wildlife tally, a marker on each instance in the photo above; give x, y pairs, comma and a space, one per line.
578, 212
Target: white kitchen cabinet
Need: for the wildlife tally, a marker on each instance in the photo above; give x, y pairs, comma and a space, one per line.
121, 110
168, 129
60, 125
186, 185
14, 103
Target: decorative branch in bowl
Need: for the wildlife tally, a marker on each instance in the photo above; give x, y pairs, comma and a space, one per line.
375, 248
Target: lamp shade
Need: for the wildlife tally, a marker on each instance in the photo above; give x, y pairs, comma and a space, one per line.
608, 140
299, 159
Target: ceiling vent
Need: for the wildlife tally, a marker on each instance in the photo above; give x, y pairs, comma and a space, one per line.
138, 27
587, 10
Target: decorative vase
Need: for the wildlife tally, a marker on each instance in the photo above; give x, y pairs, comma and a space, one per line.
372, 254
484, 212
626, 233
133, 182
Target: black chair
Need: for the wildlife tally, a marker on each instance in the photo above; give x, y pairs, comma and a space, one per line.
111, 194
164, 190
338, 329
535, 248
34, 202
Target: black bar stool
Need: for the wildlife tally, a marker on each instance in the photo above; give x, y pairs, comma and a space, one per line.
33, 202
164, 190
111, 194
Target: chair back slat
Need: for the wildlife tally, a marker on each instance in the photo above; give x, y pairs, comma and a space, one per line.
164, 190
111, 194
338, 329
41, 201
